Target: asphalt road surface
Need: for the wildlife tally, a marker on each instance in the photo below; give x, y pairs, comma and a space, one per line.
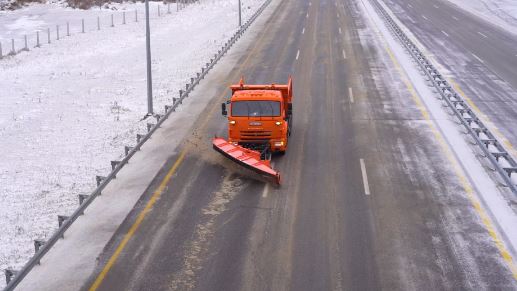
482, 57
368, 200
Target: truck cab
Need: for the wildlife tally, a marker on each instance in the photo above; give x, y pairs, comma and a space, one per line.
260, 116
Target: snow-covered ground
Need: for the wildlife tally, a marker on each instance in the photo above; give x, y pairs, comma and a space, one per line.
40, 17
66, 110
499, 12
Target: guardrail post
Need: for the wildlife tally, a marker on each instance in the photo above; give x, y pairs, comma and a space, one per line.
82, 198
114, 164
9, 274
158, 10
37, 39
82, 25
48, 35
98, 23
127, 150
38, 243
99, 180
61, 219
510, 170
57, 32
136, 15
123, 17
112, 23
67, 28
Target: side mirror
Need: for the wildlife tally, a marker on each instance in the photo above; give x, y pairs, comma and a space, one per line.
223, 109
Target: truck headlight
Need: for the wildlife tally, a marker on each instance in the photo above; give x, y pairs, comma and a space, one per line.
232, 122
278, 123
279, 143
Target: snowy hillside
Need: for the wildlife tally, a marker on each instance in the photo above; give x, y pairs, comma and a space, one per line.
68, 108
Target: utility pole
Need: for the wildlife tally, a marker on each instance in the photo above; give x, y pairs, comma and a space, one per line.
148, 51
240, 22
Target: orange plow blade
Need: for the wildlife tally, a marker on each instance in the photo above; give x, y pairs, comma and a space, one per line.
245, 157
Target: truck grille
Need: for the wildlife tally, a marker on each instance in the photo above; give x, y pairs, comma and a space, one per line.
255, 134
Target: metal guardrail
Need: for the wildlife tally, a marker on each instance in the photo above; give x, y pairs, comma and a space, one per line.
14, 277
493, 150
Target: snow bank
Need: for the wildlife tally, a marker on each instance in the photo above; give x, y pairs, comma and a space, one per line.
499, 12
66, 110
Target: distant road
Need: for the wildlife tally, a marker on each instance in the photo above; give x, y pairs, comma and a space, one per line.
479, 54
368, 202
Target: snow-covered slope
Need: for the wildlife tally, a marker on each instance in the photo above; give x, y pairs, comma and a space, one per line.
66, 110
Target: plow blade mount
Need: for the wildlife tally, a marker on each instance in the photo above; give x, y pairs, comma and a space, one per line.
245, 157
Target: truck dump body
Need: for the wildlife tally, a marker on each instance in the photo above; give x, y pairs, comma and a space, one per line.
285, 90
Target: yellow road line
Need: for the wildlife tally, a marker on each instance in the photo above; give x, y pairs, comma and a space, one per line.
487, 222
137, 223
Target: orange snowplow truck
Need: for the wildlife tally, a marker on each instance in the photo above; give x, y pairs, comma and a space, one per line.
260, 116
259, 123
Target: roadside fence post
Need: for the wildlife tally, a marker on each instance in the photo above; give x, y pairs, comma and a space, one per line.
82, 25
98, 23
37, 39
67, 28
112, 24
57, 32
136, 15
48, 34
26, 45
13, 51
123, 17
158, 10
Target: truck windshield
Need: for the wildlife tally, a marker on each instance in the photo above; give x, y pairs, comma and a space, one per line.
255, 108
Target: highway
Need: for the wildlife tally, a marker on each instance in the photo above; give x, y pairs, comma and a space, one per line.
368, 199
480, 56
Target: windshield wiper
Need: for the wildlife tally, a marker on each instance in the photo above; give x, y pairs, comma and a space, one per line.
272, 113
248, 106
